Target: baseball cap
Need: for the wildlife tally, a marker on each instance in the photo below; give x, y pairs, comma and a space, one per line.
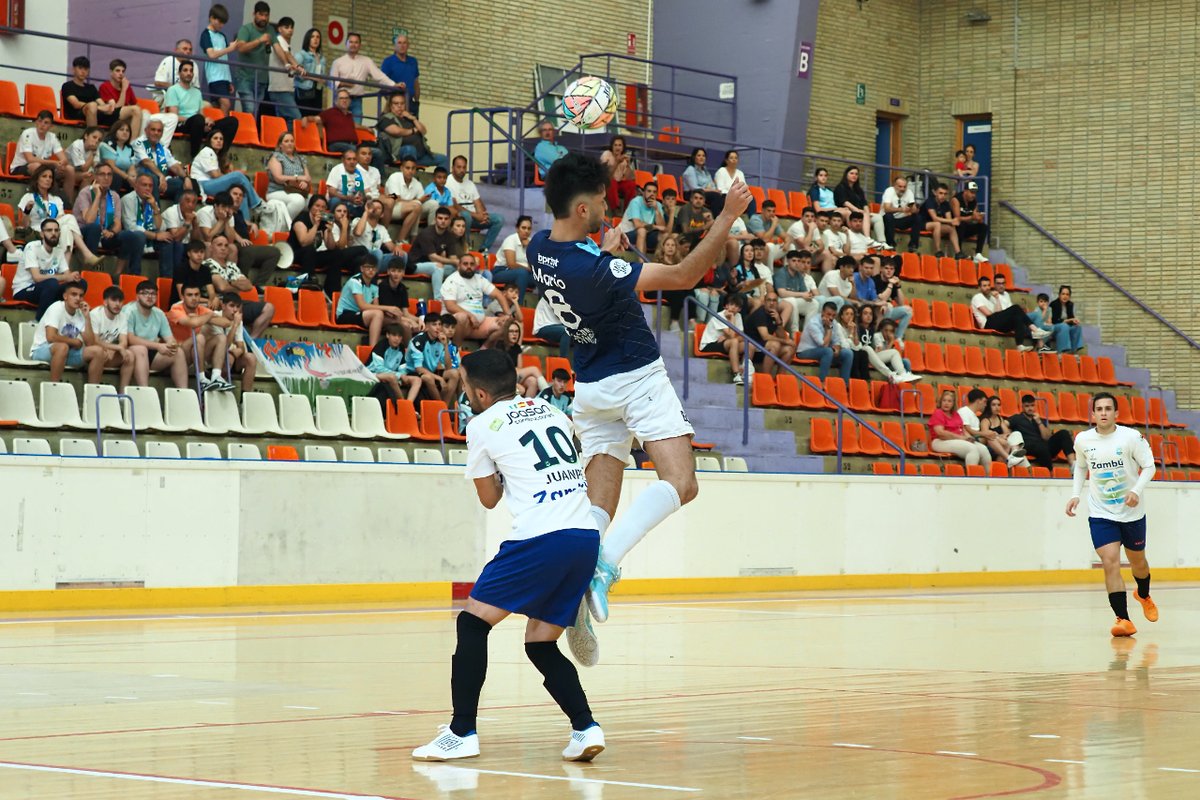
972, 186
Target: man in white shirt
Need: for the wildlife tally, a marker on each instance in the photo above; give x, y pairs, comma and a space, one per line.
989, 316
837, 286
462, 295
373, 181
860, 240
281, 86
836, 237
154, 158
408, 196
63, 337
901, 213
110, 332
1118, 464
466, 195
347, 183
43, 270
168, 71
39, 145
370, 232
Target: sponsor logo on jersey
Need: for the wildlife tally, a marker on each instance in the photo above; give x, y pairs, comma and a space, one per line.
1099, 465
497, 424
619, 267
527, 410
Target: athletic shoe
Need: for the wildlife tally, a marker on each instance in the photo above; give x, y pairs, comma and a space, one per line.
959, 254
1123, 627
1024, 348
1019, 452
939, 254
909, 377
1040, 333
597, 594
1045, 348
980, 258
581, 639
738, 380
584, 745
205, 384
1148, 606
913, 246
448, 746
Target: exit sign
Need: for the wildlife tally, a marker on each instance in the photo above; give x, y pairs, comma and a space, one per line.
860, 94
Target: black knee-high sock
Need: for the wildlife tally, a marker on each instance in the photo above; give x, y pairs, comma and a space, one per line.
1143, 585
561, 681
1120, 604
468, 670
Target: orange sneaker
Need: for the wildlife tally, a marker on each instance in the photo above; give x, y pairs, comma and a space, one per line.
1123, 627
1148, 606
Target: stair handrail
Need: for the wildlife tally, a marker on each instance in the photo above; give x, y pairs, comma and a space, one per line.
747, 380
1060, 244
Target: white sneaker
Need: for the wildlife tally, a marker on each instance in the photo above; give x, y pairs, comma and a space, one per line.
738, 380
584, 745
581, 639
910, 377
980, 258
1024, 348
204, 383
1040, 333
449, 746
674, 327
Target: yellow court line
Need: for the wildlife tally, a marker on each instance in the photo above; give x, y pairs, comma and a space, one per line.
441, 591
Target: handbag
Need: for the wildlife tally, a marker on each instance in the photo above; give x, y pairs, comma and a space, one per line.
889, 397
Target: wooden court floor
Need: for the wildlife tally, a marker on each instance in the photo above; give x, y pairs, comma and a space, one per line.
964, 694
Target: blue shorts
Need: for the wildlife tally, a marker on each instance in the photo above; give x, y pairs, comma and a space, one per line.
220, 88
42, 353
1131, 535
542, 578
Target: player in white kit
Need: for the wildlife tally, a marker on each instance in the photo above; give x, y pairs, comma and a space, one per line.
1120, 465
622, 389
522, 448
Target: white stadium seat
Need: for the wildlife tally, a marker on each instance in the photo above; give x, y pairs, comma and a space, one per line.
368, 420
183, 411
458, 457
319, 452
16, 402
31, 447
357, 454
242, 451
111, 413
332, 419
77, 447
295, 416
120, 448
204, 450
708, 464
735, 464
428, 455
221, 412
259, 415
147, 410
392, 455
8, 349
60, 405
162, 450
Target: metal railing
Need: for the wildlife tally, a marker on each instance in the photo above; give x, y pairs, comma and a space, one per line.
750, 344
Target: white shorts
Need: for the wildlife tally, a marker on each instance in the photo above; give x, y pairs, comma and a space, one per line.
610, 413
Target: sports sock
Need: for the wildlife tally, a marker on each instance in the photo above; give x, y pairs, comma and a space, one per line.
601, 518
1143, 585
652, 506
1120, 604
562, 682
467, 672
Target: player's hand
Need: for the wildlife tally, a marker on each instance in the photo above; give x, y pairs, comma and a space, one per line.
1132, 500
737, 200
1072, 504
614, 241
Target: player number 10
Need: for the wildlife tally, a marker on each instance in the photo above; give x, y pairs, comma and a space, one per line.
558, 440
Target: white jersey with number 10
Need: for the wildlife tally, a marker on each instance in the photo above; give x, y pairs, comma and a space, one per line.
528, 441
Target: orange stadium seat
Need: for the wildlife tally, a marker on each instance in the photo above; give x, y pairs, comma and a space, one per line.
431, 413
777, 197
1068, 408
1052, 367
1060, 472
947, 271
967, 275
787, 390
974, 361
964, 320
247, 132
1106, 371
1040, 472
282, 452
955, 470
759, 195
836, 388
869, 443
993, 360
930, 271
916, 440
935, 360
1070, 368
402, 418
941, 317
667, 181
955, 362
1033, 366
1014, 365
1087, 370
285, 305
883, 468
313, 312
976, 471
821, 438
922, 318
40, 98
860, 396
10, 100
998, 470
929, 469
308, 138
797, 202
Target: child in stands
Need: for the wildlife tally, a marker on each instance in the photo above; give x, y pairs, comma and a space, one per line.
556, 393
388, 364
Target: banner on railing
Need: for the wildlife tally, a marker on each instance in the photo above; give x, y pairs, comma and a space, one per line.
311, 368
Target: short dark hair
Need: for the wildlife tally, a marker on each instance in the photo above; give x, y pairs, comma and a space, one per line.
449, 319
829, 307
195, 245
439, 169
82, 61
407, 159
524, 218
846, 261
975, 395
393, 329
796, 254
69, 285
1103, 396
88, 131
219, 12
939, 186
369, 260
230, 299
491, 370
458, 158
223, 199
285, 22
1043, 296
146, 286
116, 62
262, 8
442, 211
808, 210
1066, 286
758, 242
569, 177
735, 299
999, 276
695, 192
186, 62
46, 221
855, 215
44, 114
669, 193
1028, 398
351, 34
768, 204
432, 316
648, 184
560, 374
113, 293
983, 278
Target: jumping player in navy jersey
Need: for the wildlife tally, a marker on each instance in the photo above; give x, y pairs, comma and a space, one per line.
622, 389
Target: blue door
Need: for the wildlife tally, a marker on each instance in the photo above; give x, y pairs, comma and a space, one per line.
883, 155
978, 132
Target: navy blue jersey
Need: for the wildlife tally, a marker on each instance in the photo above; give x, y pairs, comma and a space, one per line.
594, 294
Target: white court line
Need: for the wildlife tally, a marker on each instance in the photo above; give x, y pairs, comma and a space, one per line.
579, 780
202, 617
755, 738
305, 708
1062, 761
1177, 769
850, 744
118, 697
1044, 736
707, 609
247, 787
954, 753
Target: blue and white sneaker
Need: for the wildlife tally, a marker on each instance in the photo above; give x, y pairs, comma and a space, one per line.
448, 746
581, 639
597, 594
584, 745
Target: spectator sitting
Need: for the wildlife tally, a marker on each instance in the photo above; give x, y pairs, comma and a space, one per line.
697, 178
44, 270
819, 194
547, 151
64, 332
743, 279
975, 405
1040, 318
440, 196
257, 261
969, 216
196, 273
254, 41
643, 219
495, 308
835, 236
548, 326
402, 135
83, 154
867, 284
819, 341
556, 393
718, 337
429, 360
155, 159
885, 339
203, 336
387, 364
81, 100
371, 233
185, 102
408, 196
227, 277
214, 45
728, 174
118, 91
288, 179
281, 85
310, 93
671, 209
900, 213
694, 220
765, 327
38, 205
999, 435
140, 213
837, 286
394, 294
529, 379
512, 265
116, 150
985, 305
765, 271
110, 332
860, 238
359, 302
211, 177
150, 333
622, 187
347, 183
796, 288
1069, 337
240, 360
850, 198
355, 67
1041, 444
449, 323
435, 252
887, 287
98, 212
948, 434
887, 361
463, 293
768, 228
939, 219
466, 197
37, 147
341, 133
319, 243
404, 70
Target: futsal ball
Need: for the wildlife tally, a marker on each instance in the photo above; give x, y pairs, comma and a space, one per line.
589, 102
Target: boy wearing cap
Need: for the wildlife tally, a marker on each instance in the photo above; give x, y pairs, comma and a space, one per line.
965, 208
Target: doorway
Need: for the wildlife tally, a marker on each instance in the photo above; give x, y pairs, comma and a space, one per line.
887, 152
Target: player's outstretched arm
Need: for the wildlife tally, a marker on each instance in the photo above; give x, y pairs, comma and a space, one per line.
704, 255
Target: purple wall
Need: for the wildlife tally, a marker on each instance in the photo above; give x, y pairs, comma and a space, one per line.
151, 24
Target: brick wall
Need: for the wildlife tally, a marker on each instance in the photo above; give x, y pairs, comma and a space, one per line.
1093, 131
